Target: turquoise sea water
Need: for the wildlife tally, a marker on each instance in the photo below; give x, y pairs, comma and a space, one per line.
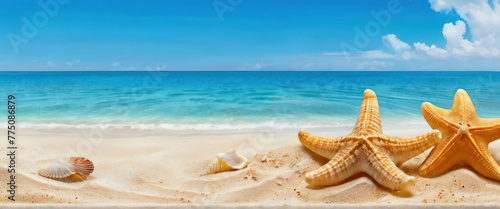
234, 100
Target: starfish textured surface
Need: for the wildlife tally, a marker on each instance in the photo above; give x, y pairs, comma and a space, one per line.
367, 150
465, 138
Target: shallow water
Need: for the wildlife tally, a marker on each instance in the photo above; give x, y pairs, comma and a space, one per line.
235, 100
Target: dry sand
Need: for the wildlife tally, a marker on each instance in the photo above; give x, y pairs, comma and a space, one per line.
136, 168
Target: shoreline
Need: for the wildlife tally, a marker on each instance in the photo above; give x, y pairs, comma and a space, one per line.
392, 126
255, 125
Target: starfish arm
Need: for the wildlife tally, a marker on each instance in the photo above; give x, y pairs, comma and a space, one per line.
434, 116
369, 115
442, 158
489, 129
463, 106
385, 172
343, 165
481, 160
402, 149
326, 147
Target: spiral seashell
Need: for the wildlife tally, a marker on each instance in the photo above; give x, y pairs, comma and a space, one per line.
229, 160
71, 169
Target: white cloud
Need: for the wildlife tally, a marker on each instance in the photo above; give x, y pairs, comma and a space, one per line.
335, 53
481, 16
257, 66
457, 45
77, 61
50, 64
375, 54
309, 65
375, 65
430, 50
395, 43
69, 63
401, 48
156, 68
116, 64
371, 54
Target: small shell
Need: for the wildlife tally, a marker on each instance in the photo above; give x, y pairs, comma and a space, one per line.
229, 160
71, 169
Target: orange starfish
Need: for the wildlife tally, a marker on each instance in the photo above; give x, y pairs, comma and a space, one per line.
367, 150
465, 138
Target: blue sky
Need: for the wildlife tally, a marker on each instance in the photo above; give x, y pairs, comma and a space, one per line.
248, 35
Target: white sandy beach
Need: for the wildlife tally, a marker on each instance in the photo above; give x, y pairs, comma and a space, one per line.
134, 168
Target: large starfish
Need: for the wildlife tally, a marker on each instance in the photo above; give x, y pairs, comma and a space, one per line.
465, 138
367, 150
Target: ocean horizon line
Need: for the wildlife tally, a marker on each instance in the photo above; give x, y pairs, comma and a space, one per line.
249, 70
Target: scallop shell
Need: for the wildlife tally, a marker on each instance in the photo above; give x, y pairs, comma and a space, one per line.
71, 169
229, 160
